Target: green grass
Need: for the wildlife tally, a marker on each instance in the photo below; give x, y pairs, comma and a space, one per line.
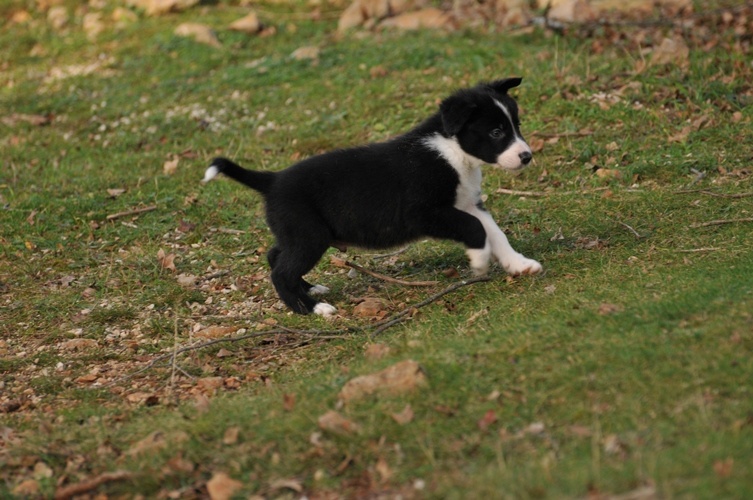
626, 365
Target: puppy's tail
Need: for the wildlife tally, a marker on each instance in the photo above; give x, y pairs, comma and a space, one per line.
260, 181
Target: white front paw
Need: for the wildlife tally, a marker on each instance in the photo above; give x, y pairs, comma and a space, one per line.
521, 265
324, 309
479, 258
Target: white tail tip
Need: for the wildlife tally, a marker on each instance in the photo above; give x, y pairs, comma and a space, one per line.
210, 174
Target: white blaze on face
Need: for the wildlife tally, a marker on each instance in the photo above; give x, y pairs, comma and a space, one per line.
510, 159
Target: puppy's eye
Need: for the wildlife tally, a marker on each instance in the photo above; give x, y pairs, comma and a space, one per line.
497, 133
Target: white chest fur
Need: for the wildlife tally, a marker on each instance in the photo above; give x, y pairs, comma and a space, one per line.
468, 168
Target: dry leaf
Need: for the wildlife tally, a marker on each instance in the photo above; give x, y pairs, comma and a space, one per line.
288, 402
672, 51
166, 261
723, 468
303, 53
403, 417
376, 351
608, 173
151, 443
28, 488
383, 469
606, 308
215, 332
170, 166
158, 7
222, 486
488, 419
231, 435
199, 32
399, 378
370, 308
430, 17
286, 484
248, 24
78, 344
337, 424
114, 193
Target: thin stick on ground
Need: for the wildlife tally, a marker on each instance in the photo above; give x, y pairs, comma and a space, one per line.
307, 335
722, 221
716, 195
379, 276
399, 317
135, 211
66, 492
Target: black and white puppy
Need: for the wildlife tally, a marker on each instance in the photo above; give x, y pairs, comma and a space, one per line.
424, 183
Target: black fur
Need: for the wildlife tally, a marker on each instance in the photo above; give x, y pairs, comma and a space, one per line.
380, 195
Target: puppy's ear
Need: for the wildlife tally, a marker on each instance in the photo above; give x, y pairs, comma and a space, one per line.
502, 86
455, 111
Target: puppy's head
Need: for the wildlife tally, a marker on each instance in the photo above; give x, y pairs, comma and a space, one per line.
484, 121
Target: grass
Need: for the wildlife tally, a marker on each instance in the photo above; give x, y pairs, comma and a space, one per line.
626, 367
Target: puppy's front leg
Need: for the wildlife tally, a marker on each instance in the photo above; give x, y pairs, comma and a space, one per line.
512, 262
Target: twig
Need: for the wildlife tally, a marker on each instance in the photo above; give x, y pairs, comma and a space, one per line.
399, 317
383, 277
697, 250
135, 211
546, 193
583, 133
716, 195
391, 254
312, 334
89, 484
636, 233
722, 221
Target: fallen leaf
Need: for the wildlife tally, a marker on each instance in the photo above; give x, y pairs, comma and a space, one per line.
248, 24
606, 308
371, 307
286, 484
487, 420
399, 378
337, 424
376, 351
215, 332
672, 51
170, 166
27, 488
78, 344
166, 261
199, 32
383, 469
114, 193
723, 468
93, 25
428, 18
608, 173
403, 417
30, 220
151, 443
222, 486
42, 471
231, 435
159, 7
288, 402
303, 53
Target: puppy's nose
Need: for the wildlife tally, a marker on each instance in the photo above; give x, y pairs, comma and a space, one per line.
525, 157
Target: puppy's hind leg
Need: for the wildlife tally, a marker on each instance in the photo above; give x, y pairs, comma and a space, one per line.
306, 287
290, 264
